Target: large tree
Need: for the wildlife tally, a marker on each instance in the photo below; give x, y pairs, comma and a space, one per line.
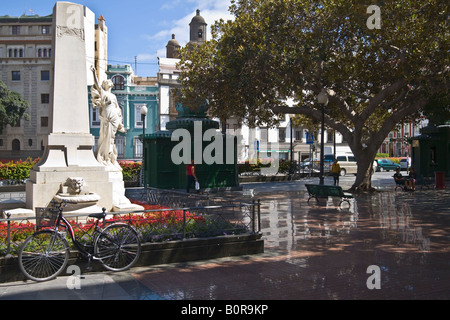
12, 107
376, 73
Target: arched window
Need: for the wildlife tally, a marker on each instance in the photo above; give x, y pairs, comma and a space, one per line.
119, 82
15, 145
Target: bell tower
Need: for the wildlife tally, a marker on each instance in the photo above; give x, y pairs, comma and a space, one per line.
197, 29
173, 48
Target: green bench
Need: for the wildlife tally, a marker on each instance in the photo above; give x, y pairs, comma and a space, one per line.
324, 191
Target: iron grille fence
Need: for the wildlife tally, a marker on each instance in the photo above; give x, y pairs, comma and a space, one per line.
177, 218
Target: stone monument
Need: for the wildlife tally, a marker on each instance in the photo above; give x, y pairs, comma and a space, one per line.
69, 148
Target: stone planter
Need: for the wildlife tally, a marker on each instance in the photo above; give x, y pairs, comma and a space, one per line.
162, 253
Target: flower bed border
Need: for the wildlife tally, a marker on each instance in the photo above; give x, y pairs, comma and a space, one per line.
162, 253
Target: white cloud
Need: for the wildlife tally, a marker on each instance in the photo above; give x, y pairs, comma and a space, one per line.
210, 10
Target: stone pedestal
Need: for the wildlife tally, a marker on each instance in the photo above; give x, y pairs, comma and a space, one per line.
69, 147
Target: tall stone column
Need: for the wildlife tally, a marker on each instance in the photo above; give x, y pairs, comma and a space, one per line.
69, 147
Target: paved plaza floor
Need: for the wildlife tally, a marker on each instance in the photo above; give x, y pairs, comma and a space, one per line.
388, 245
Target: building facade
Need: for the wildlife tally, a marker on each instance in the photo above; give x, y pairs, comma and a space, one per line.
132, 94
397, 143
26, 67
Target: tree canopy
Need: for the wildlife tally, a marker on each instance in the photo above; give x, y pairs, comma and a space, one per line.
12, 107
375, 75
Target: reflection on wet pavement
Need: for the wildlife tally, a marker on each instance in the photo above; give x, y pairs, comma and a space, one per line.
322, 251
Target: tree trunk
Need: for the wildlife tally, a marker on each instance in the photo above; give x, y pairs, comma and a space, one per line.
365, 158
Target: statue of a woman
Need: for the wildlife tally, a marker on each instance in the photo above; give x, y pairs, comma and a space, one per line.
111, 120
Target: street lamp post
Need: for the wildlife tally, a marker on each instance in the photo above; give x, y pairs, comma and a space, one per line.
143, 114
141, 174
322, 98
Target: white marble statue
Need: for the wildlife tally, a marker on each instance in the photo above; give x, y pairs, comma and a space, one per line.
111, 120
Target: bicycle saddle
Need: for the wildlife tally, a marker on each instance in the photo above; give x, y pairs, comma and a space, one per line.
100, 215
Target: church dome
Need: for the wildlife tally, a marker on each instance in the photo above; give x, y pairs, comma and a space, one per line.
198, 19
173, 41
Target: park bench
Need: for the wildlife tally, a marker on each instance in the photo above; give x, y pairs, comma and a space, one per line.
400, 184
421, 182
324, 191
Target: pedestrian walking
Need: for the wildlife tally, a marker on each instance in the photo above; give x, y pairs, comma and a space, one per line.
191, 176
335, 171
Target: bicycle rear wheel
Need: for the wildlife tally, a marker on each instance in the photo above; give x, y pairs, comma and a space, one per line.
44, 255
118, 247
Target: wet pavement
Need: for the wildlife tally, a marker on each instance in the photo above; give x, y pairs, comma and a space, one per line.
388, 245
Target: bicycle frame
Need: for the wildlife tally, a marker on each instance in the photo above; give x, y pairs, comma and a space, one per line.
63, 222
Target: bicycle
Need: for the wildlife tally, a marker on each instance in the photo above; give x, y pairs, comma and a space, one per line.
45, 254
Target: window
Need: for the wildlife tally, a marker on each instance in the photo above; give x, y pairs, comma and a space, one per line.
45, 98
120, 146
15, 145
298, 135
200, 33
282, 134
138, 150
95, 121
264, 132
15, 30
137, 115
119, 82
44, 122
15, 75
46, 29
44, 53
45, 75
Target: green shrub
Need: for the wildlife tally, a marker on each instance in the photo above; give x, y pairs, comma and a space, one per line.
17, 170
130, 169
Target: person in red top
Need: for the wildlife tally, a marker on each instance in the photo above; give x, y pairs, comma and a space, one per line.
191, 177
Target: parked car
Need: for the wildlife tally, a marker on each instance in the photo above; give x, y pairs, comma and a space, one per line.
306, 164
347, 164
328, 158
386, 164
404, 164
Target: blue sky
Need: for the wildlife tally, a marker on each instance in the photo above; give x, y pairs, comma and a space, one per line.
139, 28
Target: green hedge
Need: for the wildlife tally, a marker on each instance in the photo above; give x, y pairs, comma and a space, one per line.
20, 170
16, 170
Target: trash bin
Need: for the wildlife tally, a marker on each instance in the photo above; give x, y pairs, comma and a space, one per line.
440, 179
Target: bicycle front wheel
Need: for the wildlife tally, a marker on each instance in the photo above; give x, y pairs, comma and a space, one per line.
118, 247
44, 255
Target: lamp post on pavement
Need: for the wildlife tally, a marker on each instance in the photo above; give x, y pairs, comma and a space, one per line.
141, 174
322, 98
143, 114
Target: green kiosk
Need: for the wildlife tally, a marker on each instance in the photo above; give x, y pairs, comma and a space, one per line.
191, 136
431, 153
